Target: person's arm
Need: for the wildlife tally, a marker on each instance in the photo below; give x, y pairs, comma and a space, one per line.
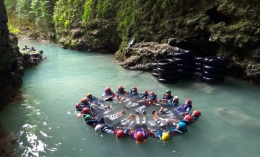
188, 110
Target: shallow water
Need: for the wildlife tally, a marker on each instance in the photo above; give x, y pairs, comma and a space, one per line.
46, 124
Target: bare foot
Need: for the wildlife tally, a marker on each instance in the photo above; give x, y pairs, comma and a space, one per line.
153, 112
161, 109
110, 106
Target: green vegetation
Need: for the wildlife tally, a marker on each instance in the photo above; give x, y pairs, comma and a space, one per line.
103, 24
30, 14
12, 29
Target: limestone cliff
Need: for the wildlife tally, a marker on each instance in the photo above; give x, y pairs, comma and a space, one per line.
11, 70
218, 27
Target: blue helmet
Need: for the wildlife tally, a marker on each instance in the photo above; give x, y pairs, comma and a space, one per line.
182, 125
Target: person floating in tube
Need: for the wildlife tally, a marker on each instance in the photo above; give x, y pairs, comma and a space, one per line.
108, 94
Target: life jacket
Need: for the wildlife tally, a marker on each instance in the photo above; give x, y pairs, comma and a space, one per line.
186, 122
185, 106
107, 129
92, 99
142, 95
132, 94
195, 118
172, 103
81, 106
108, 94
149, 97
167, 97
158, 134
120, 92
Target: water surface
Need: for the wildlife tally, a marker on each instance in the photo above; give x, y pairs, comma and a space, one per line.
46, 123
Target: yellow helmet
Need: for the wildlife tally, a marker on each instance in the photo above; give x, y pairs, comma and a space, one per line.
165, 136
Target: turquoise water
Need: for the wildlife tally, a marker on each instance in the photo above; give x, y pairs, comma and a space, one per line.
46, 124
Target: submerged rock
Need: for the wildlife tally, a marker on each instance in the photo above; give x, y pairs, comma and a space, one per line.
7, 139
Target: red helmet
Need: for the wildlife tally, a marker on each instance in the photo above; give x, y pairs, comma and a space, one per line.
134, 87
107, 89
152, 93
188, 118
85, 110
84, 100
120, 87
145, 92
189, 101
77, 105
89, 95
120, 134
139, 137
196, 113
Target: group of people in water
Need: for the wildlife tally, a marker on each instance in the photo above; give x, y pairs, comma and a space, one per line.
27, 48
171, 119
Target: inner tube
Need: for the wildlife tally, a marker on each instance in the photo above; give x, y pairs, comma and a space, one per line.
168, 81
155, 71
213, 74
184, 60
198, 64
214, 61
166, 63
198, 59
214, 69
197, 69
185, 66
174, 76
154, 65
178, 55
212, 80
155, 74
167, 71
186, 52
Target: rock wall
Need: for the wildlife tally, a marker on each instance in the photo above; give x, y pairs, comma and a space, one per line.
6, 141
228, 28
11, 69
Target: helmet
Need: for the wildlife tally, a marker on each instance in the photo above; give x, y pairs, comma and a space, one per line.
168, 91
182, 125
165, 136
84, 100
196, 113
32, 46
99, 126
139, 137
87, 117
152, 93
85, 110
188, 118
107, 89
89, 95
120, 87
145, 92
189, 101
134, 87
120, 134
175, 98
77, 105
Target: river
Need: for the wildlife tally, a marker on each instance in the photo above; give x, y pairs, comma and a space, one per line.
46, 123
